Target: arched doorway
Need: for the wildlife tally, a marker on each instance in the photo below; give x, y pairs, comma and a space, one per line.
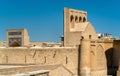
14, 44
100, 59
98, 62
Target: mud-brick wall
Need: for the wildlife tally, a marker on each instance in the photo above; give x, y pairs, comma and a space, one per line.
68, 56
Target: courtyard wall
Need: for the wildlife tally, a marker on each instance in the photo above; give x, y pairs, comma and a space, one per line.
67, 56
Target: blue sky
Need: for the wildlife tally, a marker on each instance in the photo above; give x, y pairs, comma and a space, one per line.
44, 18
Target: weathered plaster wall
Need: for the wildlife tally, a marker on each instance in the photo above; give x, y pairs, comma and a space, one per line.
67, 56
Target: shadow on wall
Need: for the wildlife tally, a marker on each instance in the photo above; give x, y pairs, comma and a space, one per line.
79, 47
111, 68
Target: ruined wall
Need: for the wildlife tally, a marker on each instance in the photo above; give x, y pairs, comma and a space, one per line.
22, 55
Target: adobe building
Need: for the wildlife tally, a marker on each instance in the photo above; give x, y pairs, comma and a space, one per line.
84, 52
17, 37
